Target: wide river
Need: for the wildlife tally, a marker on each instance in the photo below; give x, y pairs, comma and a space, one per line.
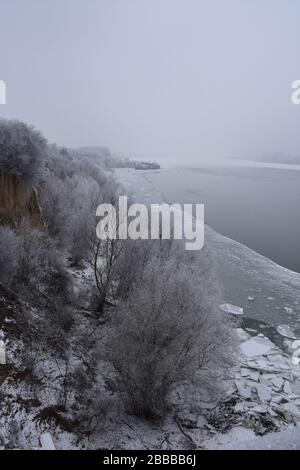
257, 206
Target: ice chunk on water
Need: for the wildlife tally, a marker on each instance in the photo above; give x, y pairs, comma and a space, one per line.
233, 309
256, 346
295, 344
295, 347
285, 330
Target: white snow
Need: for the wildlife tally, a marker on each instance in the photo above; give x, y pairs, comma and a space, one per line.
241, 438
46, 441
2, 352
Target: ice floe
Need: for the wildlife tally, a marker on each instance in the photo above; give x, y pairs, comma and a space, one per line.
267, 387
232, 309
256, 346
285, 330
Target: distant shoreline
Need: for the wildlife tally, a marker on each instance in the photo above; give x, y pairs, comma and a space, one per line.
280, 159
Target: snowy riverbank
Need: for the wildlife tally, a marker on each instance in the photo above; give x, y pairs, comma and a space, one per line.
264, 395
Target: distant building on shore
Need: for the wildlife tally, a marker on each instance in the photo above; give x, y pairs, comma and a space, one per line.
146, 166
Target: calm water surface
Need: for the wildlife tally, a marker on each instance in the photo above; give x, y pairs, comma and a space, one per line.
259, 207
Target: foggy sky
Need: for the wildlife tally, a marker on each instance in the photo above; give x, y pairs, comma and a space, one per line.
176, 80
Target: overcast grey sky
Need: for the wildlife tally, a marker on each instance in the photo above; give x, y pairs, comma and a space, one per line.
181, 80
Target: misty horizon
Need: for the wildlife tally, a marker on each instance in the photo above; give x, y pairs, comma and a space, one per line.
167, 80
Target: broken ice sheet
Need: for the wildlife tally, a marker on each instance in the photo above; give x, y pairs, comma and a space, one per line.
295, 344
243, 388
278, 382
256, 346
261, 363
291, 408
252, 374
232, 309
279, 361
263, 392
276, 399
265, 378
287, 388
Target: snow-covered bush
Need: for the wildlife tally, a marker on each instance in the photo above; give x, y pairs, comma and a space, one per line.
41, 271
169, 332
32, 265
22, 149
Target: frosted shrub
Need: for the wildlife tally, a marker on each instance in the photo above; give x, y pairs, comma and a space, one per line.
169, 332
22, 149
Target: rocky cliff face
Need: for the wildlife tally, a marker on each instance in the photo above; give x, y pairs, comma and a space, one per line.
17, 201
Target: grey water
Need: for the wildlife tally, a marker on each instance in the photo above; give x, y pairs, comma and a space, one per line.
256, 206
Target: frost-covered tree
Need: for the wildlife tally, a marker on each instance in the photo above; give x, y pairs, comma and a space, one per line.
105, 255
70, 194
41, 273
22, 149
168, 333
